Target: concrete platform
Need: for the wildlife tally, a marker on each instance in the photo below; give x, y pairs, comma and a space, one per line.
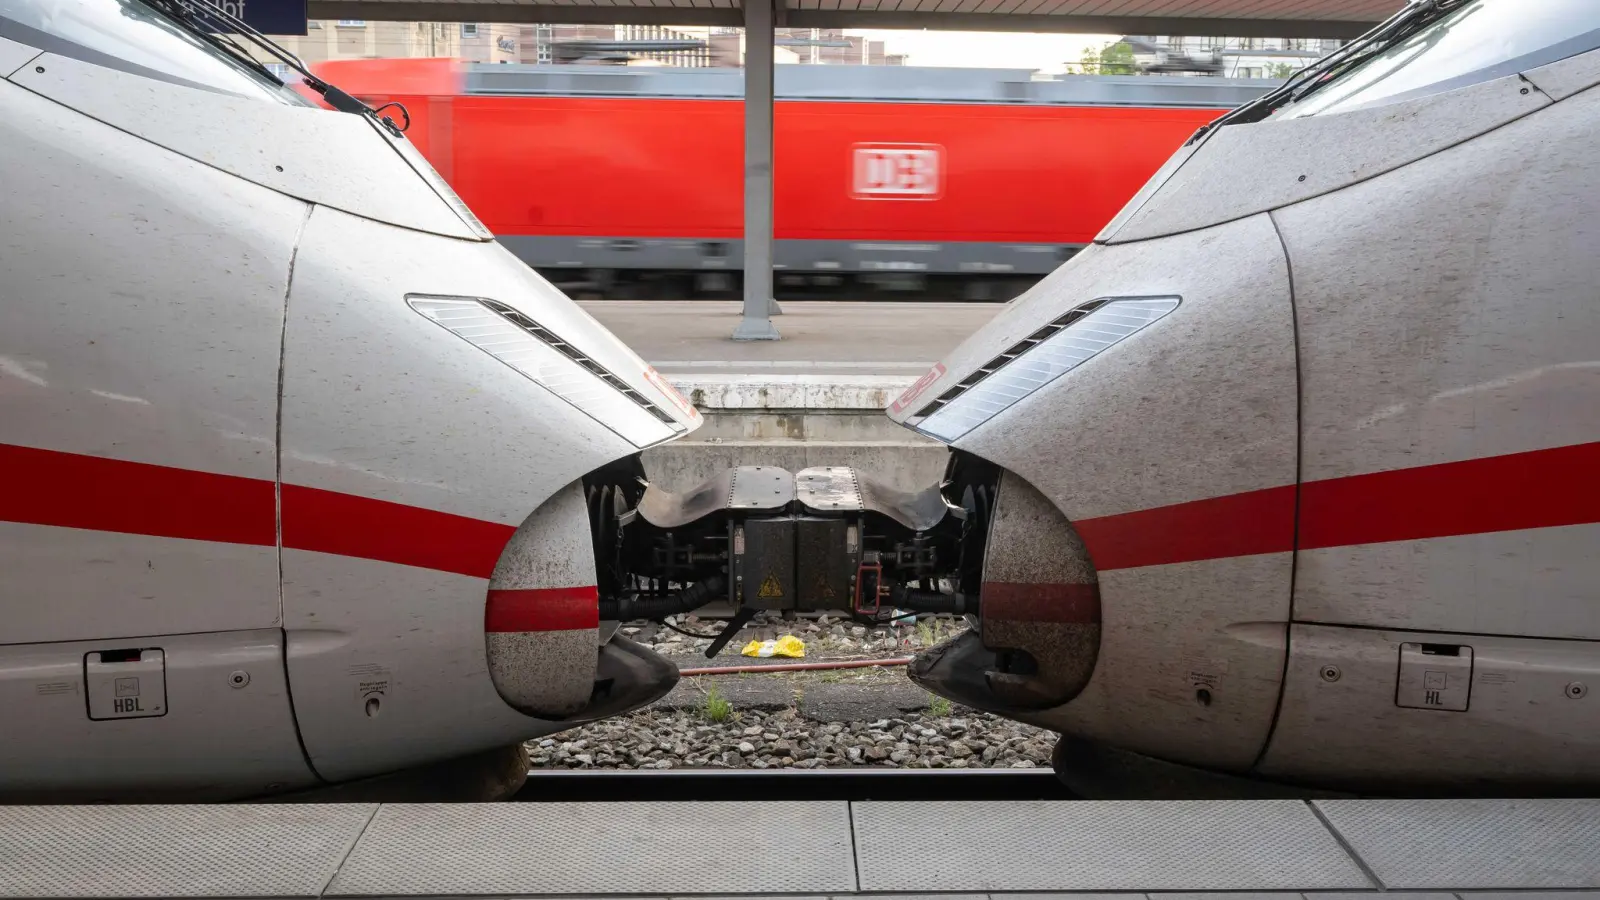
776, 845
815, 398
681, 337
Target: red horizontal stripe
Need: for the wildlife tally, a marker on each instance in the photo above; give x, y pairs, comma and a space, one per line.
71, 490
348, 525
1536, 489
1073, 604
542, 609
1233, 525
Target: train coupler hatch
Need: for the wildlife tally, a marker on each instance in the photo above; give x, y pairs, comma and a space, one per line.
764, 539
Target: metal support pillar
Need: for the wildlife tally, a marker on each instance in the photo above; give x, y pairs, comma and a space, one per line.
759, 41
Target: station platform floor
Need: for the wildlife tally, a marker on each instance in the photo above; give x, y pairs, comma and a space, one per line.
876, 338
774, 845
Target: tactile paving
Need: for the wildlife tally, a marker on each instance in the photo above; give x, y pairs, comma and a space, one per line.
174, 851
1098, 846
1473, 844
714, 847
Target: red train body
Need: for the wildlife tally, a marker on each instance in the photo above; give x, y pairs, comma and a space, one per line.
882, 175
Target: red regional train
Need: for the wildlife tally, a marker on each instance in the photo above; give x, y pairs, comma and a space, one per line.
970, 183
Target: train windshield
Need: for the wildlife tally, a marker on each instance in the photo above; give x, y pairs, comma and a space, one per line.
134, 37
1475, 41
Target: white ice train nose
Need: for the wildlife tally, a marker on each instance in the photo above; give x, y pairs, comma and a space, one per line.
1038, 633
542, 615
445, 375
547, 653
1138, 407
401, 495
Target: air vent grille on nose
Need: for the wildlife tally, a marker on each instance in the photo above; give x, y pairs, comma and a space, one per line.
514, 338
576, 355
1059, 346
1012, 352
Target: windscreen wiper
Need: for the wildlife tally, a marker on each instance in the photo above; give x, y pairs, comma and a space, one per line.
1417, 15
192, 16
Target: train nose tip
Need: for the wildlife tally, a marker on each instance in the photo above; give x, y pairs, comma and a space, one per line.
1037, 637
966, 671
955, 669
627, 677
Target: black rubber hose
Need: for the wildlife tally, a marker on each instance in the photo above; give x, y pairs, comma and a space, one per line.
931, 601
694, 596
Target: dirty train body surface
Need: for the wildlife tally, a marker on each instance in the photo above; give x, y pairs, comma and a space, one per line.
292, 450
1285, 481
1320, 499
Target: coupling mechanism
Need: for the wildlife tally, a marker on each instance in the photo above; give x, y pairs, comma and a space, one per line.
764, 539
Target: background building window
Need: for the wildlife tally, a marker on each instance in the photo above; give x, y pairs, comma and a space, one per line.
352, 23
469, 29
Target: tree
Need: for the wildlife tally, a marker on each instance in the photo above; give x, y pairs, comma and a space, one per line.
1281, 70
1117, 59
1111, 59
1090, 63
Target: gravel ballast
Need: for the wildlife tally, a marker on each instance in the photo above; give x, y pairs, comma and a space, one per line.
851, 718
825, 637
755, 739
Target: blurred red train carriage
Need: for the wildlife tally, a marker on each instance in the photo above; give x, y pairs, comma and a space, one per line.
885, 178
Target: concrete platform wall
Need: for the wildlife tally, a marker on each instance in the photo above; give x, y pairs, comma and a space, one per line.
793, 422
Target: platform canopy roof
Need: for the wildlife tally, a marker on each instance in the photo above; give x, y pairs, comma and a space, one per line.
1233, 18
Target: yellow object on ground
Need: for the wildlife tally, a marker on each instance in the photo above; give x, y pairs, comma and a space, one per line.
788, 645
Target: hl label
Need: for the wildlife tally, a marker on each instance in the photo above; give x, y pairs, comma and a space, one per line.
1435, 676
897, 171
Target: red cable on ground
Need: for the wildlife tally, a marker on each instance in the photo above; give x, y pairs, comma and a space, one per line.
799, 667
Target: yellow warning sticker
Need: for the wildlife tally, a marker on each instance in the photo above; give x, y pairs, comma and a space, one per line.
824, 589
770, 589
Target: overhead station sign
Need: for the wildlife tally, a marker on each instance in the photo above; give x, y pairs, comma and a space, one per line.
266, 16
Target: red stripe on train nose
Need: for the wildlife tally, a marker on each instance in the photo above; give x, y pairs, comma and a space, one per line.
542, 609
1073, 604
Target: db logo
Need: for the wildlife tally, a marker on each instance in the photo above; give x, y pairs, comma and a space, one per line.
897, 171
912, 393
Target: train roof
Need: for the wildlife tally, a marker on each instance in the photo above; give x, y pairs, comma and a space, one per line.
910, 84
901, 84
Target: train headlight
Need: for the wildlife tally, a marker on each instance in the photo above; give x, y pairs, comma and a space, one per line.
508, 335
1037, 360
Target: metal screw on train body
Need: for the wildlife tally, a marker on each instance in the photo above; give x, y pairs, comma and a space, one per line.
239, 678
1577, 690
1330, 673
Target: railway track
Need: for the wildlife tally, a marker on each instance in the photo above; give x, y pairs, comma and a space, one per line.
792, 784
